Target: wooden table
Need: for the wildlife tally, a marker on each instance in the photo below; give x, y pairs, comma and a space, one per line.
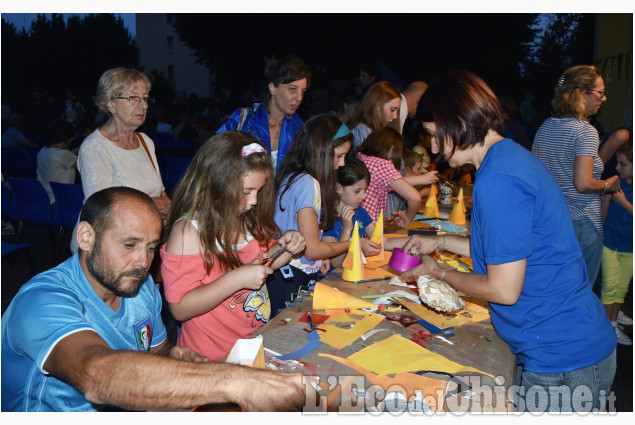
475, 344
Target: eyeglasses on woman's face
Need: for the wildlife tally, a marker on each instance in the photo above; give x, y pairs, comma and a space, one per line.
134, 101
602, 93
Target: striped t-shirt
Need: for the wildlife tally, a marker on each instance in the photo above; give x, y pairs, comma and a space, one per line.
557, 143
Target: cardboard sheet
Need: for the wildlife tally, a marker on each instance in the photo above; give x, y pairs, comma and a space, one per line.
397, 354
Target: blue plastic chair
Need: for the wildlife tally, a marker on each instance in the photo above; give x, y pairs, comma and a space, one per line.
69, 199
31, 202
175, 167
8, 206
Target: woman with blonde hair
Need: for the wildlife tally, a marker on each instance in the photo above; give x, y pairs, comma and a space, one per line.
379, 108
568, 145
116, 154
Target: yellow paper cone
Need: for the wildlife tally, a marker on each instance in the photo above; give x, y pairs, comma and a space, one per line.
325, 297
433, 190
378, 237
459, 198
458, 215
431, 209
353, 267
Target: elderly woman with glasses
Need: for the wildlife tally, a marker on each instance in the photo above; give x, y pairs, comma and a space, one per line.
568, 145
116, 154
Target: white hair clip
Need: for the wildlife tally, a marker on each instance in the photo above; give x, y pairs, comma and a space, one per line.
561, 81
252, 148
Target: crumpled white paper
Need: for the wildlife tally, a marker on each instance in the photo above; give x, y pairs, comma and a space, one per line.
438, 294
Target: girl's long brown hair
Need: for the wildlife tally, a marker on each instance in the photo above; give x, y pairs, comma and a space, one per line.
211, 190
312, 152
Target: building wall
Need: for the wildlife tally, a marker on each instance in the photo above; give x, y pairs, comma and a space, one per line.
173, 59
614, 59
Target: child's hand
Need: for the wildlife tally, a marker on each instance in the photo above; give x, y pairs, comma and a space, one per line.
326, 266
619, 197
369, 248
431, 177
346, 213
294, 240
402, 220
252, 275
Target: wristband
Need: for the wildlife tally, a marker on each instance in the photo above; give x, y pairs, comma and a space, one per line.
443, 245
606, 187
443, 277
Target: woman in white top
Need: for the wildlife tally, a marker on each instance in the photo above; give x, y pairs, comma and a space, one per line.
115, 154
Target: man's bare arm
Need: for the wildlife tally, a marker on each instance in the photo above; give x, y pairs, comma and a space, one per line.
142, 381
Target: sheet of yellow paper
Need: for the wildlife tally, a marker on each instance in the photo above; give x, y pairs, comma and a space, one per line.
397, 354
439, 320
409, 382
325, 297
340, 337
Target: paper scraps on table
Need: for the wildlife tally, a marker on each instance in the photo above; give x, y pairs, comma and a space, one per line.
447, 226
325, 298
317, 318
339, 337
396, 354
313, 342
406, 383
476, 314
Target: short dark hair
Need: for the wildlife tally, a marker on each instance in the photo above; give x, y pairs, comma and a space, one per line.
463, 108
97, 210
285, 71
353, 171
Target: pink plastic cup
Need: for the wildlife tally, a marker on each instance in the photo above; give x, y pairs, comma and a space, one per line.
402, 262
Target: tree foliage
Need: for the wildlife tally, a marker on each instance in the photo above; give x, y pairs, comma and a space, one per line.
567, 40
53, 55
414, 46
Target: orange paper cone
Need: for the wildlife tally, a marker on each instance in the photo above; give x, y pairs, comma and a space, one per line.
431, 209
378, 237
433, 190
459, 198
458, 215
353, 263
466, 178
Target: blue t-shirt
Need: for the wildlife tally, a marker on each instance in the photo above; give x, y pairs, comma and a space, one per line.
304, 192
51, 306
257, 125
518, 212
618, 227
361, 217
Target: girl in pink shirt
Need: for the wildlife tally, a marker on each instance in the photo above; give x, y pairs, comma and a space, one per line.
219, 226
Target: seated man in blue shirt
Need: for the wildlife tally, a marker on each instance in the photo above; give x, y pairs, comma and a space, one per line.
87, 334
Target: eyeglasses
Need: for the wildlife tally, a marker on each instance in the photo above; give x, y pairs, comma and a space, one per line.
136, 100
601, 93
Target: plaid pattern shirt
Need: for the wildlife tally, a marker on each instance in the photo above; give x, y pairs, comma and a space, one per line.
382, 174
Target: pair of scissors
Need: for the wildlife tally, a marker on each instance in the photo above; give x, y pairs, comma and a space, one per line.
266, 261
308, 316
